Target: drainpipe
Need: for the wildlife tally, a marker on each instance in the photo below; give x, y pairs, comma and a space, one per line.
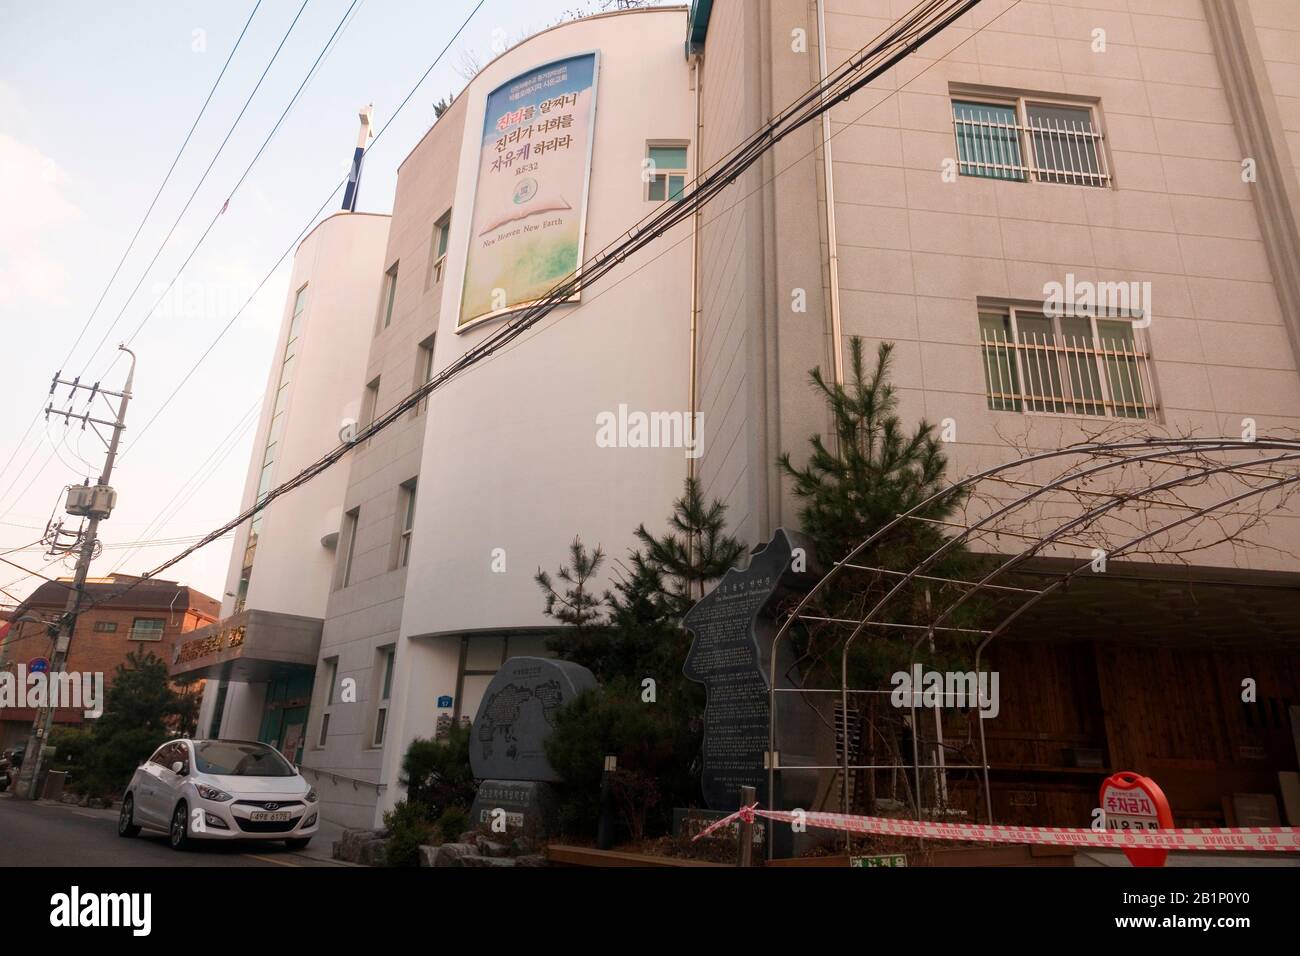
832, 239
693, 396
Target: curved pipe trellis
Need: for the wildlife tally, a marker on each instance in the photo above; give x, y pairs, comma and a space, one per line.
1163, 448
1084, 519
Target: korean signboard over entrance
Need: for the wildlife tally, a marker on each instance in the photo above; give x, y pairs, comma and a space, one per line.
530, 202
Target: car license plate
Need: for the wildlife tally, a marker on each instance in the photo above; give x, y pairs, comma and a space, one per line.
269, 816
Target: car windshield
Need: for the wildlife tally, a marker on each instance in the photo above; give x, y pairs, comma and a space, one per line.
240, 760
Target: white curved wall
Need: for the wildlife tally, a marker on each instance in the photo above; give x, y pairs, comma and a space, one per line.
510, 456
340, 261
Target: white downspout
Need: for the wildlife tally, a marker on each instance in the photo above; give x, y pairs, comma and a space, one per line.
832, 239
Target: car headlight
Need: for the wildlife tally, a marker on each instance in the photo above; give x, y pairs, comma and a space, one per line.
211, 793
311, 796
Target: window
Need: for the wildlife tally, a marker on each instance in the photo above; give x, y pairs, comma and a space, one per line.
370, 402
406, 506
481, 656
240, 758
386, 657
299, 303
172, 753
666, 172
105, 627
1022, 139
1065, 365
331, 674
147, 629
423, 370
390, 294
218, 710
350, 522
331, 679
267, 473
438, 249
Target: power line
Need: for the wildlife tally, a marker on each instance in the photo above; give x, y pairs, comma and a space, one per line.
307, 228
256, 156
196, 189
166, 179
202, 179
229, 443
856, 72
136, 235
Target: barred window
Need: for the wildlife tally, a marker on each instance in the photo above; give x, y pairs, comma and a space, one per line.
147, 629
1065, 365
1022, 140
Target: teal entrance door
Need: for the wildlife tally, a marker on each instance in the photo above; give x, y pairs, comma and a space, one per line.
284, 716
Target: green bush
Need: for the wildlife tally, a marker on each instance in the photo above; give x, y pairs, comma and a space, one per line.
409, 827
141, 711
611, 720
73, 751
453, 822
436, 773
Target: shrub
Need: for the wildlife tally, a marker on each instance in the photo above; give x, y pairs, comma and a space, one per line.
436, 773
612, 720
409, 827
453, 822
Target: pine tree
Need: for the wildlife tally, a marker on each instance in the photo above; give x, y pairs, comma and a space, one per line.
873, 471
696, 552
578, 606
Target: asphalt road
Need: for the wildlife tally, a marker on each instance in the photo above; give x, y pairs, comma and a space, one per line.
56, 834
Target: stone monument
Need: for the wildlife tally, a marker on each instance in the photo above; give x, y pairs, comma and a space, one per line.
507, 740
732, 629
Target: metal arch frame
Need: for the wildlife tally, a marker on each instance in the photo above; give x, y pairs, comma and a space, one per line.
1086, 518
1163, 448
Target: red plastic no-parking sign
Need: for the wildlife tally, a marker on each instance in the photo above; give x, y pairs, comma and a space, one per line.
1133, 802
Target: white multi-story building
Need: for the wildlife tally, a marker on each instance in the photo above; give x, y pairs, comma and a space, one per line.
1010, 152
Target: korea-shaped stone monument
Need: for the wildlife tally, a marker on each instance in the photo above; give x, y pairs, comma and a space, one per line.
732, 629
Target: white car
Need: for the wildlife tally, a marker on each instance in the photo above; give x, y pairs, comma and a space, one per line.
219, 790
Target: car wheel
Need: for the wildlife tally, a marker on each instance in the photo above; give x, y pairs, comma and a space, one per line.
297, 843
178, 834
126, 825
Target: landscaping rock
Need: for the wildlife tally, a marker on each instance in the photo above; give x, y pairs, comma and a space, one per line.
532, 859
373, 853
97, 804
429, 855
71, 798
486, 861
488, 848
453, 854
357, 846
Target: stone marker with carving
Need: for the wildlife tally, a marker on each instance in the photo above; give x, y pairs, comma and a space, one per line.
507, 742
732, 629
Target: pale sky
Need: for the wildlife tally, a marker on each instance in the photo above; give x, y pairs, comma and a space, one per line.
96, 99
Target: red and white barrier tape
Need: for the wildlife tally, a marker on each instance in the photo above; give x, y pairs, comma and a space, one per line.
1249, 839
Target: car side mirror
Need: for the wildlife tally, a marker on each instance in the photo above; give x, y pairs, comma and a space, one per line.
178, 767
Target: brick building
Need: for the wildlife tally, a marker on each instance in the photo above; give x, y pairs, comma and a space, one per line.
151, 616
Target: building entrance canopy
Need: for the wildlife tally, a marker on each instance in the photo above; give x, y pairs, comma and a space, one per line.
250, 646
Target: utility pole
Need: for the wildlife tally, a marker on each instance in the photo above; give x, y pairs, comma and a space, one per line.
95, 503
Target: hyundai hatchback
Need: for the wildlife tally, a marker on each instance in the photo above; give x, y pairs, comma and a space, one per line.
219, 790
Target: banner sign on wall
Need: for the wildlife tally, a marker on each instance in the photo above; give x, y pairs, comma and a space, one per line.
530, 202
